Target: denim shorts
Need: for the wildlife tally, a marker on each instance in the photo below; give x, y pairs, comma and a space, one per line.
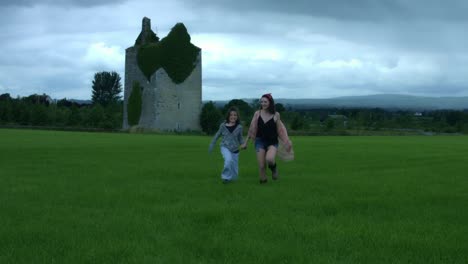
263, 144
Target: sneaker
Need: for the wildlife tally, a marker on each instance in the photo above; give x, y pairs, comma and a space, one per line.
274, 175
225, 181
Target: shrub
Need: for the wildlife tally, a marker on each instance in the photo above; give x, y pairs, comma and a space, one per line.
134, 104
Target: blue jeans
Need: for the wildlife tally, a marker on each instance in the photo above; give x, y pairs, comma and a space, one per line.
231, 164
262, 144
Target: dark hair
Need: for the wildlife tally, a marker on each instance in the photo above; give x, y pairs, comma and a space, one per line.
233, 108
271, 107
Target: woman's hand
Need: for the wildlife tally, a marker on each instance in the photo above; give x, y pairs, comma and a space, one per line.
243, 146
288, 146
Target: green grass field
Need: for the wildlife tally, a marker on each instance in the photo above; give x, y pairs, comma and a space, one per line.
69, 197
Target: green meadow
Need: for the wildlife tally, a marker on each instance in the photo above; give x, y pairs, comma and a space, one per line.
78, 197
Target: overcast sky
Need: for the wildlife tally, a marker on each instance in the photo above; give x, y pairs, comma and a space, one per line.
293, 49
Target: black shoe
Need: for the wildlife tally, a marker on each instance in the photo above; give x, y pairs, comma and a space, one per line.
274, 172
263, 181
274, 176
226, 181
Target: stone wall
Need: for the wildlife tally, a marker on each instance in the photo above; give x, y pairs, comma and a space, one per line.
132, 73
165, 105
176, 106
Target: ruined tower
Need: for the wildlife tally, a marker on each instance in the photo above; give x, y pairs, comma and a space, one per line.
168, 72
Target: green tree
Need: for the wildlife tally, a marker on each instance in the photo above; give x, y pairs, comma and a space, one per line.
5, 97
21, 112
297, 122
74, 117
96, 116
453, 117
6, 108
279, 107
134, 105
61, 117
106, 88
113, 114
245, 110
210, 118
255, 104
38, 116
329, 124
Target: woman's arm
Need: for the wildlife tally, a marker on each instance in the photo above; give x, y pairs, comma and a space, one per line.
215, 138
240, 137
252, 129
245, 142
253, 125
282, 132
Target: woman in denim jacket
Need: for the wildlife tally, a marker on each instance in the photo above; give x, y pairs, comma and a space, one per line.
231, 132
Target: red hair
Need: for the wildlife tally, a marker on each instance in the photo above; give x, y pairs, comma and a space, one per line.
268, 96
271, 107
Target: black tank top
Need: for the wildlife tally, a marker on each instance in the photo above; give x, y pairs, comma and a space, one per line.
231, 128
267, 131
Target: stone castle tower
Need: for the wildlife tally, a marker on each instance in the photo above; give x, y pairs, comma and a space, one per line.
170, 80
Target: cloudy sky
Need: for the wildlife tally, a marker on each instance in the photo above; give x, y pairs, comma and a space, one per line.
293, 49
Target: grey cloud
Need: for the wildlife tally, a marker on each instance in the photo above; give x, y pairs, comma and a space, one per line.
379, 34
422, 26
65, 3
361, 10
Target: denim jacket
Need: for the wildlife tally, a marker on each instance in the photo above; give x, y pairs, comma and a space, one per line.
231, 141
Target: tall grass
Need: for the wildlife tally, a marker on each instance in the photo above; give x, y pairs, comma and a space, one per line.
70, 197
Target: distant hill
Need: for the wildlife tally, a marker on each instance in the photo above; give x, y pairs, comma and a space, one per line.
386, 101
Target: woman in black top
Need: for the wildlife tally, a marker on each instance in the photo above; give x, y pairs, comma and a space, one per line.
264, 129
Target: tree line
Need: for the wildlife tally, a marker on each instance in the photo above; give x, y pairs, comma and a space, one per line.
345, 121
106, 112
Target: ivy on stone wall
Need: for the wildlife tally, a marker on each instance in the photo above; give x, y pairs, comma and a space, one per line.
134, 104
174, 53
149, 37
149, 59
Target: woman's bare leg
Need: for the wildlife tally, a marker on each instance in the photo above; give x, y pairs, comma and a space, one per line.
270, 160
261, 164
